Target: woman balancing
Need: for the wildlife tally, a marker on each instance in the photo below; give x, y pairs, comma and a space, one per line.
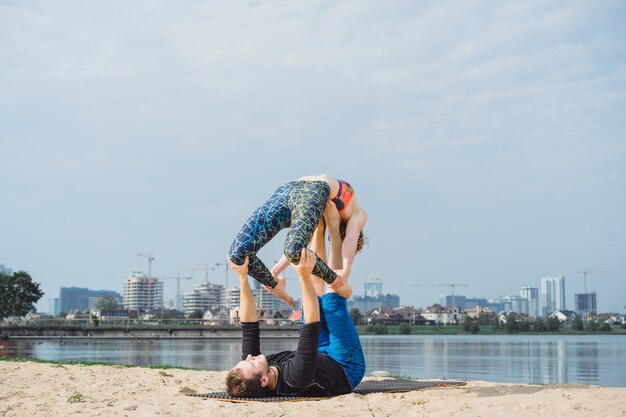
300, 205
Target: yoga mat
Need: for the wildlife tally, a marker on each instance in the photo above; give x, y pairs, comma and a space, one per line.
365, 387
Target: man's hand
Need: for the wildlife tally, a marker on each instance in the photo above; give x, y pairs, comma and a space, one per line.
240, 270
306, 264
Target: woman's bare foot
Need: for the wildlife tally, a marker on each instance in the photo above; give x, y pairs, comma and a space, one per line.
280, 291
345, 291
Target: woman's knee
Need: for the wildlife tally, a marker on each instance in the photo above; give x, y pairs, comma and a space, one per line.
293, 253
237, 254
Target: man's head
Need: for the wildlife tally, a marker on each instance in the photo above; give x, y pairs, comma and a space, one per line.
360, 242
250, 378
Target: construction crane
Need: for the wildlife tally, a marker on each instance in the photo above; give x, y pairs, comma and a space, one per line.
217, 264
585, 272
177, 278
440, 285
150, 259
205, 270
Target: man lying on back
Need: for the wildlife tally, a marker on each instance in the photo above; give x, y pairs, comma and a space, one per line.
328, 360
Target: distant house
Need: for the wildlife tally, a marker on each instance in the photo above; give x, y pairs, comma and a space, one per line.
114, 315
78, 315
274, 317
444, 315
388, 315
564, 316
215, 317
267, 317
296, 316
518, 317
617, 319
481, 313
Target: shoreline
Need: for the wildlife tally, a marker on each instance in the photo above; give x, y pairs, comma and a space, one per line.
30, 388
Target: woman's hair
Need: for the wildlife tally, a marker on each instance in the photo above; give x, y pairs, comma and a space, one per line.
238, 386
360, 242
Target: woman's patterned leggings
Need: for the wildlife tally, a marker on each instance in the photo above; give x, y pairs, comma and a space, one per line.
298, 205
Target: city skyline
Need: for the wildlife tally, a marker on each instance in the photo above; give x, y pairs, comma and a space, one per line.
372, 287
486, 140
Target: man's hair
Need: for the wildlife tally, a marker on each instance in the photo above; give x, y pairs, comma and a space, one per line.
238, 386
360, 242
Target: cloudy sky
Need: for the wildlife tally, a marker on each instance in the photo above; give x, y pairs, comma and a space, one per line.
487, 140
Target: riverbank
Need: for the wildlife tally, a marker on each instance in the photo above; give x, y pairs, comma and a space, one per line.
43, 389
453, 330
234, 332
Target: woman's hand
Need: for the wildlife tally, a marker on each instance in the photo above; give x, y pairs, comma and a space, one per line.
339, 281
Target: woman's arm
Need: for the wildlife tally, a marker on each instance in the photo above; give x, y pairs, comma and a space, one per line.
318, 246
332, 218
354, 227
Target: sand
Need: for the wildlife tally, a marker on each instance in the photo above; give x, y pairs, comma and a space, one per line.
37, 389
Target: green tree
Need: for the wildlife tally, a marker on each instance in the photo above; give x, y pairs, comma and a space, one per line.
523, 326
577, 324
405, 328
355, 316
605, 327
495, 326
196, 314
381, 329
538, 325
18, 294
107, 303
592, 326
474, 328
511, 324
466, 324
553, 324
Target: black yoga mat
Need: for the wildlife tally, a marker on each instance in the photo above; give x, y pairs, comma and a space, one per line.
365, 387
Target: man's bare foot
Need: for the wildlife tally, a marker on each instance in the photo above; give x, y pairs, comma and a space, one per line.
280, 291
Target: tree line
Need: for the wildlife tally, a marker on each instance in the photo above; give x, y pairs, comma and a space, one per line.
18, 294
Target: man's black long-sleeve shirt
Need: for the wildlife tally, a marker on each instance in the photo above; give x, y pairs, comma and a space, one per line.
302, 372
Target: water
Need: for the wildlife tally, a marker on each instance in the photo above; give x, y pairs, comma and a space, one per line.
597, 360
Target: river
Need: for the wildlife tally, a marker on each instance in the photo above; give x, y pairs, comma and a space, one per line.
534, 359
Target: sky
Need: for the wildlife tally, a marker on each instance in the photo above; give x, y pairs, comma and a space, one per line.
483, 138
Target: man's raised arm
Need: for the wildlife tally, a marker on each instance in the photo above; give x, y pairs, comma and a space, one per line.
247, 305
310, 305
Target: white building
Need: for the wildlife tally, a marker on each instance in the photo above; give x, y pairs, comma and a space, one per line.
264, 299
531, 294
552, 295
373, 287
203, 297
444, 315
6, 271
142, 293
515, 304
54, 307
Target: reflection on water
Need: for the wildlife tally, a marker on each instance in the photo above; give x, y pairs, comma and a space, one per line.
597, 360
519, 359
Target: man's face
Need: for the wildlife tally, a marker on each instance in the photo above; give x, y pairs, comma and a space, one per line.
254, 365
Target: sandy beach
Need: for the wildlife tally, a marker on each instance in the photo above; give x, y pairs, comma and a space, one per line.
38, 389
